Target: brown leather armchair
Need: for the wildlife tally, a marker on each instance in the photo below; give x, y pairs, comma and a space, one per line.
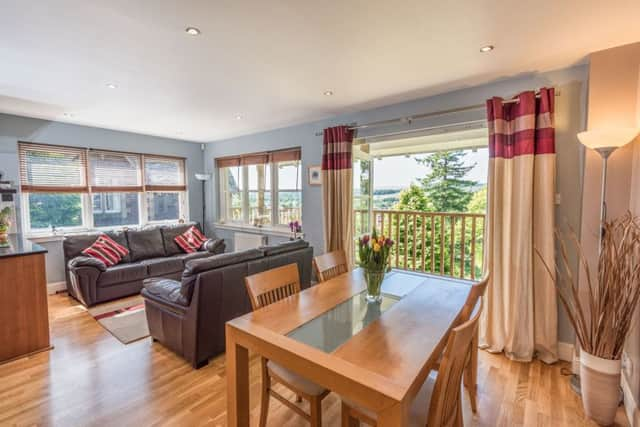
188, 316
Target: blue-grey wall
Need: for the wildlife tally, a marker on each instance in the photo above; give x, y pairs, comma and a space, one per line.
570, 118
16, 128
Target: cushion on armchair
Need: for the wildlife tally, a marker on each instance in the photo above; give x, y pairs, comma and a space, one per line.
166, 290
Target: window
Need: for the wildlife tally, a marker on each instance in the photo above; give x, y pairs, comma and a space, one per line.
261, 189
77, 188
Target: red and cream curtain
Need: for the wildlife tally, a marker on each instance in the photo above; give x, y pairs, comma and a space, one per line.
337, 189
520, 316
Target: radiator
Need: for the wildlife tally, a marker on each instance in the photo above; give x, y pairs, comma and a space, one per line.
243, 241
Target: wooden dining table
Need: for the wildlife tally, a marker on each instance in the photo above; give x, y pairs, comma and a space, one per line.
376, 355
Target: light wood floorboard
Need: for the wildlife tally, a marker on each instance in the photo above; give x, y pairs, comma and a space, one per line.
91, 379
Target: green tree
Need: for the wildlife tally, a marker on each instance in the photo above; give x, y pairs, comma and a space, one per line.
413, 199
446, 186
478, 202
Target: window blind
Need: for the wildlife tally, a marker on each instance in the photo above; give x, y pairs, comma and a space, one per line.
52, 169
260, 158
164, 173
114, 172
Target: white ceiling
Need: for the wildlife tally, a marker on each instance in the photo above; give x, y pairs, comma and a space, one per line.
271, 61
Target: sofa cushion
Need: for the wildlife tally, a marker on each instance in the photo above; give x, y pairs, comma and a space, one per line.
165, 290
169, 233
191, 240
106, 250
74, 245
145, 244
122, 273
284, 247
162, 266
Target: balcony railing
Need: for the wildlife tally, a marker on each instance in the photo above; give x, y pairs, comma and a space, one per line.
444, 243
286, 215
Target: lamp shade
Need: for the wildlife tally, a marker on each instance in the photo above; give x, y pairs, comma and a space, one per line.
607, 138
203, 176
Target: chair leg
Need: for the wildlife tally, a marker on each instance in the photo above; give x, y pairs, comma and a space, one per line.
264, 393
471, 374
315, 407
347, 419
298, 398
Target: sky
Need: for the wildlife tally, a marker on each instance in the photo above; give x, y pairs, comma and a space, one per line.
400, 171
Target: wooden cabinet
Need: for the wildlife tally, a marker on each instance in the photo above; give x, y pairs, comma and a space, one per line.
24, 318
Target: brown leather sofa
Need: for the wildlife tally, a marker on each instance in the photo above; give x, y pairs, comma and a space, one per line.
152, 253
188, 316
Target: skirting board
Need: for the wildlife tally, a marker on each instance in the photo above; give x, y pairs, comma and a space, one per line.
565, 351
55, 287
630, 404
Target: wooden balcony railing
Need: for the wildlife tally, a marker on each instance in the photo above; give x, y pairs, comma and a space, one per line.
444, 243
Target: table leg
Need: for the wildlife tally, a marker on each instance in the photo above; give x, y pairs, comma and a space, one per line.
394, 416
237, 360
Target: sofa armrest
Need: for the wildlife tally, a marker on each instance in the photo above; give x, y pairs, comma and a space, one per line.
214, 246
86, 261
165, 291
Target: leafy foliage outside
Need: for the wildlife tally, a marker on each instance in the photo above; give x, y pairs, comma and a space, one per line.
444, 189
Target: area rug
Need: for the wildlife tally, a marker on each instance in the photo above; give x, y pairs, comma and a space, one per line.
125, 319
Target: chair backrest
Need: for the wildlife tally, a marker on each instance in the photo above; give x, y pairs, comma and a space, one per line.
477, 292
445, 407
272, 285
330, 265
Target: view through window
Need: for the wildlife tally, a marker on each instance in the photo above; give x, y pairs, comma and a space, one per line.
432, 203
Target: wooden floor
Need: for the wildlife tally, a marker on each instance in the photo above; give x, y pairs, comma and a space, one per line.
91, 379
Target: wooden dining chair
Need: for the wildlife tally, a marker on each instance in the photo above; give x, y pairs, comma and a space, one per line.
330, 265
266, 288
439, 402
471, 370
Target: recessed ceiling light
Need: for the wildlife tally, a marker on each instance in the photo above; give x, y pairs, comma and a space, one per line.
328, 92
238, 117
112, 85
193, 31
487, 48
68, 114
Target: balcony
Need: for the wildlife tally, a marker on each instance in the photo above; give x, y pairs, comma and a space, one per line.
445, 243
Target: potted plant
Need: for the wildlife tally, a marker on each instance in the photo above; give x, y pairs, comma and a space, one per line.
373, 258
5, 223
295, 228
601, 315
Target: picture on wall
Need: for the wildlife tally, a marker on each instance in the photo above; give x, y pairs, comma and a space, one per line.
315, 175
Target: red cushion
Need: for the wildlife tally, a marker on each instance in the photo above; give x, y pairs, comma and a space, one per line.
106, 250
191, 240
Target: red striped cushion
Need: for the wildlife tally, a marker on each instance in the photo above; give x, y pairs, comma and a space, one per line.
106, 250
191, 240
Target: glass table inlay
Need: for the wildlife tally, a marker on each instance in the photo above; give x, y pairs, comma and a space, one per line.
336, 326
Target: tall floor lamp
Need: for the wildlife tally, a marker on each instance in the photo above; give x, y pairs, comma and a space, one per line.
605, 142
203, 177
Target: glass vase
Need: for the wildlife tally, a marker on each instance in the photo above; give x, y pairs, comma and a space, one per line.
374, 279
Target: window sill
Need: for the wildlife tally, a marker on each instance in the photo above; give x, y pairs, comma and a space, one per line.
272, 231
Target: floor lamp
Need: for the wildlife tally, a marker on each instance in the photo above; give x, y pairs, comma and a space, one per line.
604, 142
203, 177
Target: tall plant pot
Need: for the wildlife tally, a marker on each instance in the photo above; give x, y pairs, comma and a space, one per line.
600, 379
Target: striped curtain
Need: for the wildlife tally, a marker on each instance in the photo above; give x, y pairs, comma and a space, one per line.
520, 317
337, 189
